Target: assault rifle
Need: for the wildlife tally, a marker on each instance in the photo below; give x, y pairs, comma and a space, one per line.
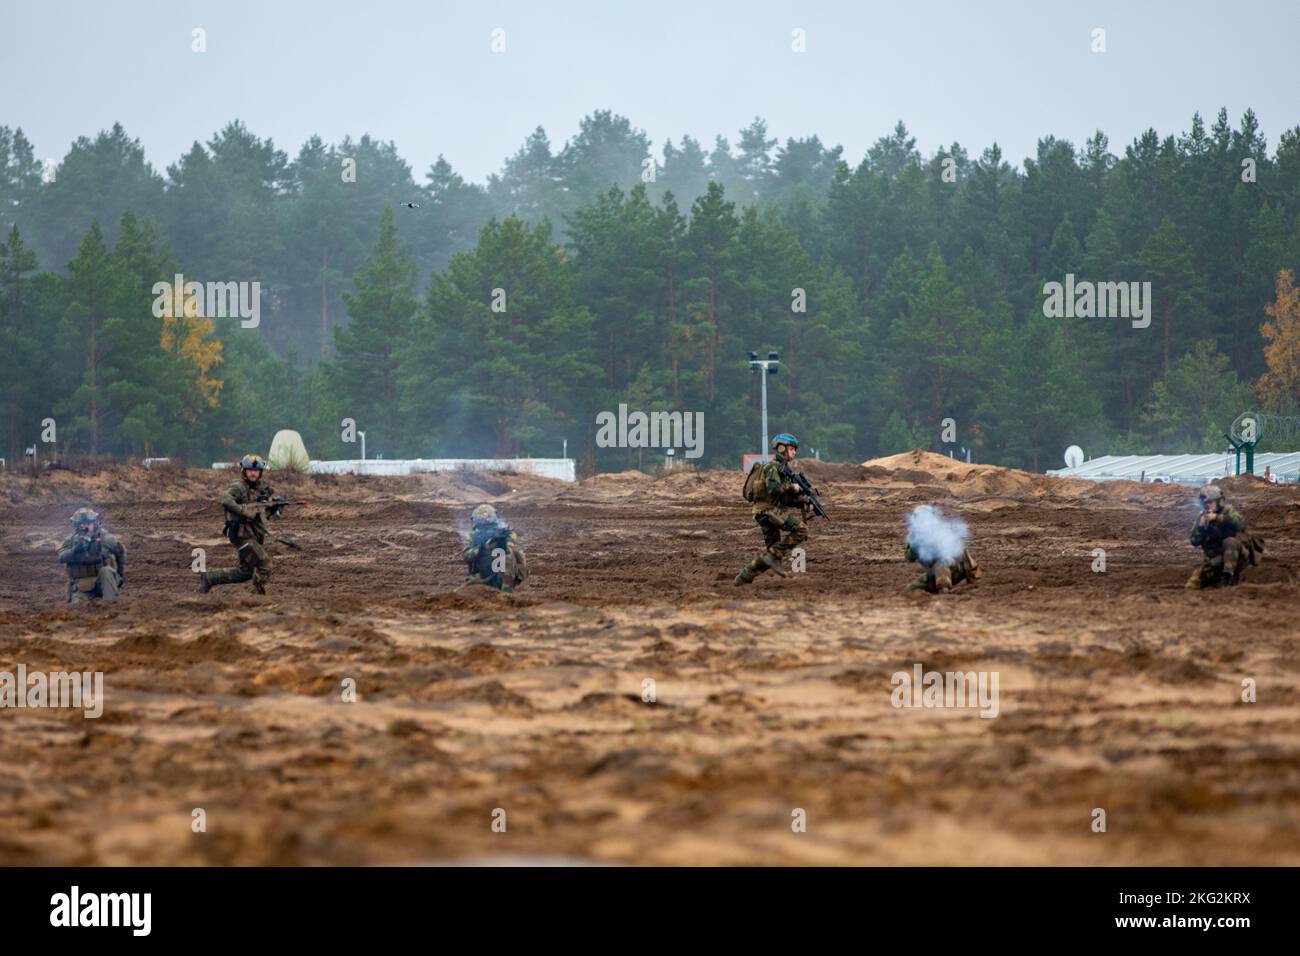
274, 504
86, 543
805, 486
482, 537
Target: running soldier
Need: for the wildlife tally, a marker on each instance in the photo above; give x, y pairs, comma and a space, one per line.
248, 503
780, 507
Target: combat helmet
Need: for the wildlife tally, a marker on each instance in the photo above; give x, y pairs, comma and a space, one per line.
784, 439
85, 516
1211, 493
483, 515
251, 462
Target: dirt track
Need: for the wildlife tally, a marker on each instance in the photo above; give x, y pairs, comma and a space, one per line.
1118, 690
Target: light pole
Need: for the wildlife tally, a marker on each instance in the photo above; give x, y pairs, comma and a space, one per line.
764, 367
363, 445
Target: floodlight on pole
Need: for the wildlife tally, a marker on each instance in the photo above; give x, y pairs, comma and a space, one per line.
764, 367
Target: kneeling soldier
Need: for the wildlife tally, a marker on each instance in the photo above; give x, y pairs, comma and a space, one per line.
95, 559
942, 574
1220, 533
493, 556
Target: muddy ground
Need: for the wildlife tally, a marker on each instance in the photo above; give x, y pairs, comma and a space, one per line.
1118, 690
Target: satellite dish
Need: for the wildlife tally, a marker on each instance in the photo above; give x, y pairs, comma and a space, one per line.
1073, 456
1247, 427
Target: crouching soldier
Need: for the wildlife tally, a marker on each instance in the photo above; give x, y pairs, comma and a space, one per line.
247, 505
95, 559
780, 508
942, 574
1220, 532
493, 555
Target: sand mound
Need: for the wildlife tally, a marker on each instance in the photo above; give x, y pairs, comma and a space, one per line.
1240, 483
819, 471
966, 480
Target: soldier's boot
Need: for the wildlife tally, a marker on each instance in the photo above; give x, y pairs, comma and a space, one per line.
226, 576
752, 570
774, 562
943, 580
1232, 570
205, 583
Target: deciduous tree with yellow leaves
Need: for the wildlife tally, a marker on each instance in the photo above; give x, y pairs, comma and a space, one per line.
188, 337
1279, 387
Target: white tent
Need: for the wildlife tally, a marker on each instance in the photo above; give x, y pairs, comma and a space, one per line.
288, 452
1183, 469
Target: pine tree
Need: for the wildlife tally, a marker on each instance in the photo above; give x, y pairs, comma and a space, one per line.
381, 308
20, 369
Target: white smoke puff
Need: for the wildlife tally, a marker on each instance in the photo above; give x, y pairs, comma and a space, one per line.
934, 537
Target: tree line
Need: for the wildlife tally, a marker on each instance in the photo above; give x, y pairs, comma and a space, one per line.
450, 319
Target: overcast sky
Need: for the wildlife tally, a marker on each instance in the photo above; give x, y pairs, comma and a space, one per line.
423, 73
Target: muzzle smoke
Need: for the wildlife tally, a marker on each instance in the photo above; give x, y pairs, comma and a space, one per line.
935, 537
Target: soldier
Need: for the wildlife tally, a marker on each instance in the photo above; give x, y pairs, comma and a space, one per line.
1220, 532
493, 557
942, 574
95, 559
247, 505
779, 506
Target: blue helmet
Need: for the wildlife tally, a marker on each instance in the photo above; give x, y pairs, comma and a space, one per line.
251, 462
784, 439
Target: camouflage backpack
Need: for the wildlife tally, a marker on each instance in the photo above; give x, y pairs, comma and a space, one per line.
755, 488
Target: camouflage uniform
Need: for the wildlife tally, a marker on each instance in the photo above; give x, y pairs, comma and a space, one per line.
781, 508
246, 529
1227, 546
496, 544
96, 565
943, 575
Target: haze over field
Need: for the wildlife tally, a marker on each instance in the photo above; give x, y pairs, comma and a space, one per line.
474, 229
423, 75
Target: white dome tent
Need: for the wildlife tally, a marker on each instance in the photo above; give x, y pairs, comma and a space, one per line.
288, 452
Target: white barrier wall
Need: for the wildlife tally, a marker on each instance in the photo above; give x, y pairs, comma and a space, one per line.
561, 468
